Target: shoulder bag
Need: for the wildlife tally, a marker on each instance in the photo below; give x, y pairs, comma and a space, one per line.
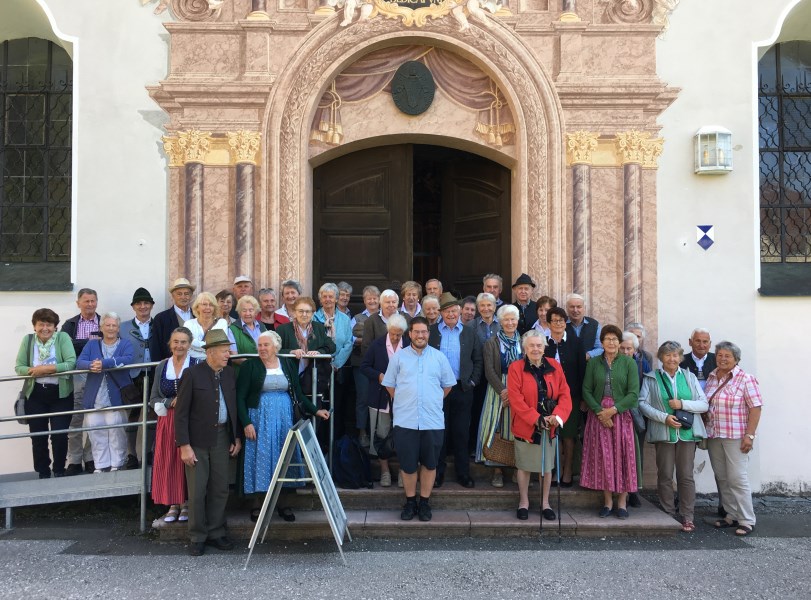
684, 417
19, 404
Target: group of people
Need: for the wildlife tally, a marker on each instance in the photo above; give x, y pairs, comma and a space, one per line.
508, 384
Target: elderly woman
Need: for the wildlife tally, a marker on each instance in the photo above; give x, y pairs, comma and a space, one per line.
430, 309
629, 346
207, 316
267, 308
375, 326
371, 303
43, 354
568, 351
344, 297
734, 413
411, 292
664, 392
168, 474
540, 403
103, 389
543, 305
468, 313
339, 329
247, 328
610, 389
374, 367
499, 352
225, 300
267, 389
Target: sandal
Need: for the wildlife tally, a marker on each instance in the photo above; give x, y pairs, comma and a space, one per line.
184, 514
171, 516
286, 513
688, 527
744, 530
723, 524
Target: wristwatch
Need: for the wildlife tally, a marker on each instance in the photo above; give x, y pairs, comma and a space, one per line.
751, 436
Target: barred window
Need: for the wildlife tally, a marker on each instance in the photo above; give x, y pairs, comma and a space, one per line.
35, 159
785, 169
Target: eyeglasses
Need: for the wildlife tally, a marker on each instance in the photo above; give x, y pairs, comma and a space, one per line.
303, 312
413, 333
557, 322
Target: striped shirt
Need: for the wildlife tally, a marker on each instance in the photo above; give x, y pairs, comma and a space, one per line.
729, 408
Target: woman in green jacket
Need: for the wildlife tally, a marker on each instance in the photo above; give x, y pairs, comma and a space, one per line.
610, 389
267, 390
43, 354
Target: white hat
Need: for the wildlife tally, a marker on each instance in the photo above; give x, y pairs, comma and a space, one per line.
242, 279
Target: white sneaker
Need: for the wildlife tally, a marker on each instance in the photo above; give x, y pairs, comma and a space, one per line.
498, 480
385, 479
113, 468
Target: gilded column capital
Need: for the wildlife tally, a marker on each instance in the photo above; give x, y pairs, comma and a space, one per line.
651, 152
631, 146
172, 150
580, 146
194, 144
244, 145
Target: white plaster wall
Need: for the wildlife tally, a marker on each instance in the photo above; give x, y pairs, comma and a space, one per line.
119, 193
717, 289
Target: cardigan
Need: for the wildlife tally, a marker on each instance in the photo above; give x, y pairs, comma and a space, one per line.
116, 379
244, 341
374, 327
251, 378
65, 361
652, 405
374, 364
319, 340
573, 360
343, 336
523, 393
624, 383
491, 357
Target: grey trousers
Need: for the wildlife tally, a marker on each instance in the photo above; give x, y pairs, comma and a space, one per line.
207, 482
79, 449
730, 467
681, 457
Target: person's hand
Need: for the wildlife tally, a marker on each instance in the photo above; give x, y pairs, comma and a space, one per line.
95, 366
380, 378
322, 414
42, 370
234, 449
746, 445
607, 413
607, 423
313, 353
250, 432
588, 356
187, 455
174, 401
675, 404
672, 421
298, 353
551, 422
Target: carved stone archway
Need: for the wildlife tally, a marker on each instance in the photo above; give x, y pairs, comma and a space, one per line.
540, 231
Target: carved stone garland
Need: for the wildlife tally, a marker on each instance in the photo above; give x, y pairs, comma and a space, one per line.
326, 52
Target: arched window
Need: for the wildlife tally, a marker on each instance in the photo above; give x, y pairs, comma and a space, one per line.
785, 169
35, 159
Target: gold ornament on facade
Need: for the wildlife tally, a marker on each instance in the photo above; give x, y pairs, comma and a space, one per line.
631, 146
173, 151
194, 145
580, 146
651, 151
244, 145
458, 9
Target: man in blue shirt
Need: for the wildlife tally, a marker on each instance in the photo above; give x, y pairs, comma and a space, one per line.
418, 378
462, 348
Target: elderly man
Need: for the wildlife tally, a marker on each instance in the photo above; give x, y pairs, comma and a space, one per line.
208, 434
267, 308
242, 286
462, 348
700, 362
291, 290
638, 329
173, 317
81, 328
139, 333
586, 328
493, 284
418, 379
527, 309
433, 287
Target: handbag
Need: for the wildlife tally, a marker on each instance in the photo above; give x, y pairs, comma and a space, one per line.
384, 446
500, 450
640, 424
702, 443
19, 403
684, 417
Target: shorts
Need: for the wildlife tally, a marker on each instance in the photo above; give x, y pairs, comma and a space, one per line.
418, 447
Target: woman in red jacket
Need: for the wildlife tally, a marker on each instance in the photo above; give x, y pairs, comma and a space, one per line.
540, 402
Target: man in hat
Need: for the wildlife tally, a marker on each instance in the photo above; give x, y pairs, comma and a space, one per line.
173, 317
138, 331
527, 309
208, 434
462, 348
243, 286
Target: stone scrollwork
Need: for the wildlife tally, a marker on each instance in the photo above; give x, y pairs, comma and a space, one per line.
651, 151
244, 145
187, 147
662, 11
436, 9
637, 147
629, 11
173, 151
580, 146
196, 10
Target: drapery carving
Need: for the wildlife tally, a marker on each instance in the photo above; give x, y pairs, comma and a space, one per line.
462, 81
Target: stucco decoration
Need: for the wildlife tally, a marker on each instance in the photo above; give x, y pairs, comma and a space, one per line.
244, 145
641, 11
580, 146
662, 11
189, 10
544, 247
437, 9
193, 145
631, 146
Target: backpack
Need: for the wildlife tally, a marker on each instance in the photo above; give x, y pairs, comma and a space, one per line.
350, 468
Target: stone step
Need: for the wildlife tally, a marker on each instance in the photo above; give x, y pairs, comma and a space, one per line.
646, 521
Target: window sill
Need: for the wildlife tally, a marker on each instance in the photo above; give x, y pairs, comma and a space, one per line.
35, 277
785, 279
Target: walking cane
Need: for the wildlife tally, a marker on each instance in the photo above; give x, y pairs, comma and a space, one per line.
543, 475
557, 463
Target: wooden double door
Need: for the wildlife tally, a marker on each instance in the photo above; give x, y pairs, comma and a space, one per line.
389, 214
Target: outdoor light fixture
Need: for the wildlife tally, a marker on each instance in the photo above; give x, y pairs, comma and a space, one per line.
713, 150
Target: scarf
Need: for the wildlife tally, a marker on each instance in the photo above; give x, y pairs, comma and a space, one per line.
45, 349
329, 325
302, 339
512, 346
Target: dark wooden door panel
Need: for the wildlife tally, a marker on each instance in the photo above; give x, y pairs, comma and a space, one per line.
362, 219
475, 223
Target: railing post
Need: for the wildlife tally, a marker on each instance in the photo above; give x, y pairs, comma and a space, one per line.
144, 436
9, 518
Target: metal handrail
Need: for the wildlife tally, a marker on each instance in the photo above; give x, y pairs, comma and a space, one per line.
144, 420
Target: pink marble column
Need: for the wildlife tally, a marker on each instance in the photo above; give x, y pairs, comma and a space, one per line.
259, 6
632, 251
569, 6
244, 250
193, 247
581, 219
